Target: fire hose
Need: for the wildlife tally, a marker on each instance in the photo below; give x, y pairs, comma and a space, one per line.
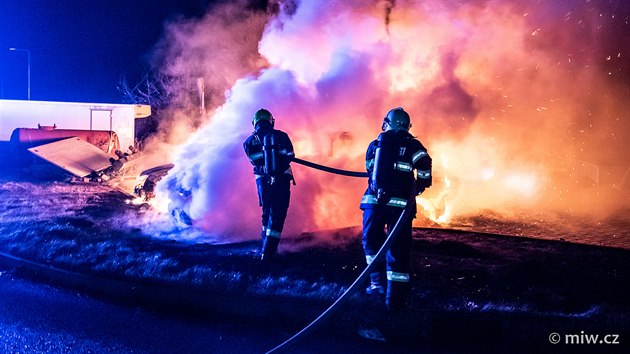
330, 169
406, 214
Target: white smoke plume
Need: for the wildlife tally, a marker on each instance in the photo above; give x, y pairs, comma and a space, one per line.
521, 104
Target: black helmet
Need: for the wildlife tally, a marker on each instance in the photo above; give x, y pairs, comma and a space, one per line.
263, 114
397, 119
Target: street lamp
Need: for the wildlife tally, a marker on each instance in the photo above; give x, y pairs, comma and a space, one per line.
28, 68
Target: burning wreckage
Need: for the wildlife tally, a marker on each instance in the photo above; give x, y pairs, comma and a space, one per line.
128, 172
85, 140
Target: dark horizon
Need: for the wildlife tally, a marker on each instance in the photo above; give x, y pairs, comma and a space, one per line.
80, 50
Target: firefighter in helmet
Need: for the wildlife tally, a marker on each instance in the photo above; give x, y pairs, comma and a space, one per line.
270, 151
398, 165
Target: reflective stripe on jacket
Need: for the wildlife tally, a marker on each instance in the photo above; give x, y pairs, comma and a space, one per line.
412, 155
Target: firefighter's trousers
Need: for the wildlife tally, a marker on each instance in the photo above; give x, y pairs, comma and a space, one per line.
274, 200
375, 220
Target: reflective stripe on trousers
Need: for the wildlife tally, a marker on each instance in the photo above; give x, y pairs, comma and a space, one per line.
395, 202
272, 233
396, 276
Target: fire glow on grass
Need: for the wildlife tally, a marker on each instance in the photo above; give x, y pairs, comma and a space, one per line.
521, 104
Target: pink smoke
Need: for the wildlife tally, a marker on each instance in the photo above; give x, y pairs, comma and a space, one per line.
520, 104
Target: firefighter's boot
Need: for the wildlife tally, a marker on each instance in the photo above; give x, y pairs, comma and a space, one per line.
396, 295
376, 284
269, 248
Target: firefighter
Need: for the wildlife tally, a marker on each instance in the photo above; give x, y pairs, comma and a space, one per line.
398, 165
270, 151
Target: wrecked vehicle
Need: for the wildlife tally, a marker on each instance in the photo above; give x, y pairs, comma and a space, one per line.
89, 141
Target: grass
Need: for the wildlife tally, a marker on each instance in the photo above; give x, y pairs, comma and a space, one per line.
468, 277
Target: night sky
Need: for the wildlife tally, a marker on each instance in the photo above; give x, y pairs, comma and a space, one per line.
81, 49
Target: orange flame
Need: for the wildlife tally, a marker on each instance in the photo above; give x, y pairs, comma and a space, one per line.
519, 103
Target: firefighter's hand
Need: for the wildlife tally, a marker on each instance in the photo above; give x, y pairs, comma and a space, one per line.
420, 187
382, 197
372, 187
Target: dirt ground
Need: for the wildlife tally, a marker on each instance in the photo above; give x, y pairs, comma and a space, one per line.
490, 285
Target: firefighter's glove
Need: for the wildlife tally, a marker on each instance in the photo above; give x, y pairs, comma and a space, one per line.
372, 188
420, 187
381, 197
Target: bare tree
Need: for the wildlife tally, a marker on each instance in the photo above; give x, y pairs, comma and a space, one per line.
155, 89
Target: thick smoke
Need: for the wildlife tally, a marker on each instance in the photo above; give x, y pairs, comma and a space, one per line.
521, 104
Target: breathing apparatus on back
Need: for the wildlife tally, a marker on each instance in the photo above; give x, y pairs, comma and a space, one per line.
269, 147
387, 147
270, 152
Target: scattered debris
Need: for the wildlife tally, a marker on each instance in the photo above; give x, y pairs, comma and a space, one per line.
126, 172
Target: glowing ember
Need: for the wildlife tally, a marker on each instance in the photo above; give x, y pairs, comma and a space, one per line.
521, 98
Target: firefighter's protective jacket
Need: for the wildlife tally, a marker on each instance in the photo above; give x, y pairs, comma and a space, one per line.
254, 149
412, 157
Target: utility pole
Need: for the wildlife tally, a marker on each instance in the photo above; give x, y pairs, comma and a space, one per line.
28, 68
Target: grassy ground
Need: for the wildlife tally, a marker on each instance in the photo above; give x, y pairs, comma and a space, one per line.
471, 291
